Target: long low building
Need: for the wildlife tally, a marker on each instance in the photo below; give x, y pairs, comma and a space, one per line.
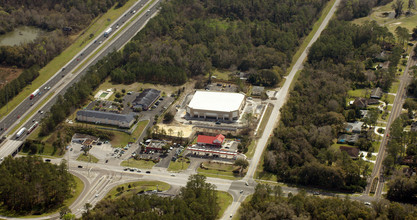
146, 99
108, 118
216, 105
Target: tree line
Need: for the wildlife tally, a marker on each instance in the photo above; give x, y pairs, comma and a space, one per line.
79, 93
189, 38
197, 200
11, 89
300, 151
269, 203
30, 186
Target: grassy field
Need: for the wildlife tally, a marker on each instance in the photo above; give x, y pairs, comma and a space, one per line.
360, 93
251, 149
141, 164
87, 158
139, 129
390, 99
311, 34
391, 23
221, 74
136, 87
136, 187
82, 39
394, 87
225, 200
219, 170
179, 165
265, 120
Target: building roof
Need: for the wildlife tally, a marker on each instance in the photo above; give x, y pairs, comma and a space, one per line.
376, 93
146, 98
217, 140
354, 127
216, 101
257, 89
360, 102
414, 126
351, 151
106, 115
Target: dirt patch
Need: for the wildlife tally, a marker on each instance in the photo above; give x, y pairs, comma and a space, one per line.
8, 74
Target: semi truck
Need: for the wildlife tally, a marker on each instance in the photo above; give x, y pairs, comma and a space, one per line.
33, 127
20, 132
35, 93
107, 32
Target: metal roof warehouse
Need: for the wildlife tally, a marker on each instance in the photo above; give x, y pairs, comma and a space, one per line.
99, 117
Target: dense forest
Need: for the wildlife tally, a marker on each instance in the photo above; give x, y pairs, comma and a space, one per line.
351, 9
190, 37
300, 151
269, 203
197, 200
30, 186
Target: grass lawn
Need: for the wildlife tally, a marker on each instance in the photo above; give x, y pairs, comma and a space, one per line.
179, 165
360, 93
308, 38
224, 200
219, 170
394, 87
390, 23
82, 39
265, 120
221, 74
376, 145
390, 99
251, 149
141, 164
139, 129
87, 158
121, 139
136, 187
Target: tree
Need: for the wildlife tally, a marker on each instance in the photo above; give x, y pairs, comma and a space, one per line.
402, 34
398, 8
411, 5
414, 34
168, 117
87, 207
242, 163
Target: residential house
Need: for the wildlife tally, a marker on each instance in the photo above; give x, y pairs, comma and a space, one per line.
376, 93
353, 152
355, 127
257, 90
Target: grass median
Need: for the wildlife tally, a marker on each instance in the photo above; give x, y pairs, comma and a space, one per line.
98, 25
136, 187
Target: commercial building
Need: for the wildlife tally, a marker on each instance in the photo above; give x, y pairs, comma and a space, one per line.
146, 99
108, 118
216, 105
214, 141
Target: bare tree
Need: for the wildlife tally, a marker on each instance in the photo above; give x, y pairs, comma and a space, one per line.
398, 8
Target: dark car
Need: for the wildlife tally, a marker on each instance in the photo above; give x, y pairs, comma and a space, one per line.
79, 166
148, 171
47, 160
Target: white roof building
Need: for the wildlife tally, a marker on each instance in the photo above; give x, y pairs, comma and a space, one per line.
216, 105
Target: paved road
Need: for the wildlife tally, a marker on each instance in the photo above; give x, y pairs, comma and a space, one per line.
66, 74
275, 115
69, 79
399, 100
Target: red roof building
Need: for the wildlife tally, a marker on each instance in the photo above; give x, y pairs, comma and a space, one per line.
210, 140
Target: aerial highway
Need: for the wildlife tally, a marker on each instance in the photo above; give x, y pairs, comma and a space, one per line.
65, 78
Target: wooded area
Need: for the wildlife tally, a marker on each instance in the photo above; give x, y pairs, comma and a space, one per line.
30, 186
269, 203
300, 151
191, 37
197, 200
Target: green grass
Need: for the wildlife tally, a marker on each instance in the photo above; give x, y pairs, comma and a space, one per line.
139, 129
221, 74
311, 34
376, 145
219, 170
179, 165
141, 164
121, 139
360, 93
390, 23
251, 149
390, 99
97, 26
136, 187
265, 120
87, 158
224, 200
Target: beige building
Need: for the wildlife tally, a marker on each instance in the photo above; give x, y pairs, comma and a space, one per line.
216, 105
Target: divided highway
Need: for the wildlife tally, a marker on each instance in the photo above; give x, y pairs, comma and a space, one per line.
65, 78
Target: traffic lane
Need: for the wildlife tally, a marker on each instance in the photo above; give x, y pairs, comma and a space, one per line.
20, 110
116, 44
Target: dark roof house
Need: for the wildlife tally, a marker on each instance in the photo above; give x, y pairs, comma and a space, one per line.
145, 99
376, 93
257, 90
348, 139
360, 103
353, 152
108, 118
414, 126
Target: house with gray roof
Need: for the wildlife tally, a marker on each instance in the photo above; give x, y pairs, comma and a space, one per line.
376, 93
355, 127
107, 118
146, 99
257, 90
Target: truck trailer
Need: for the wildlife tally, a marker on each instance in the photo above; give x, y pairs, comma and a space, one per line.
35, 93
107, 32
20, 132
